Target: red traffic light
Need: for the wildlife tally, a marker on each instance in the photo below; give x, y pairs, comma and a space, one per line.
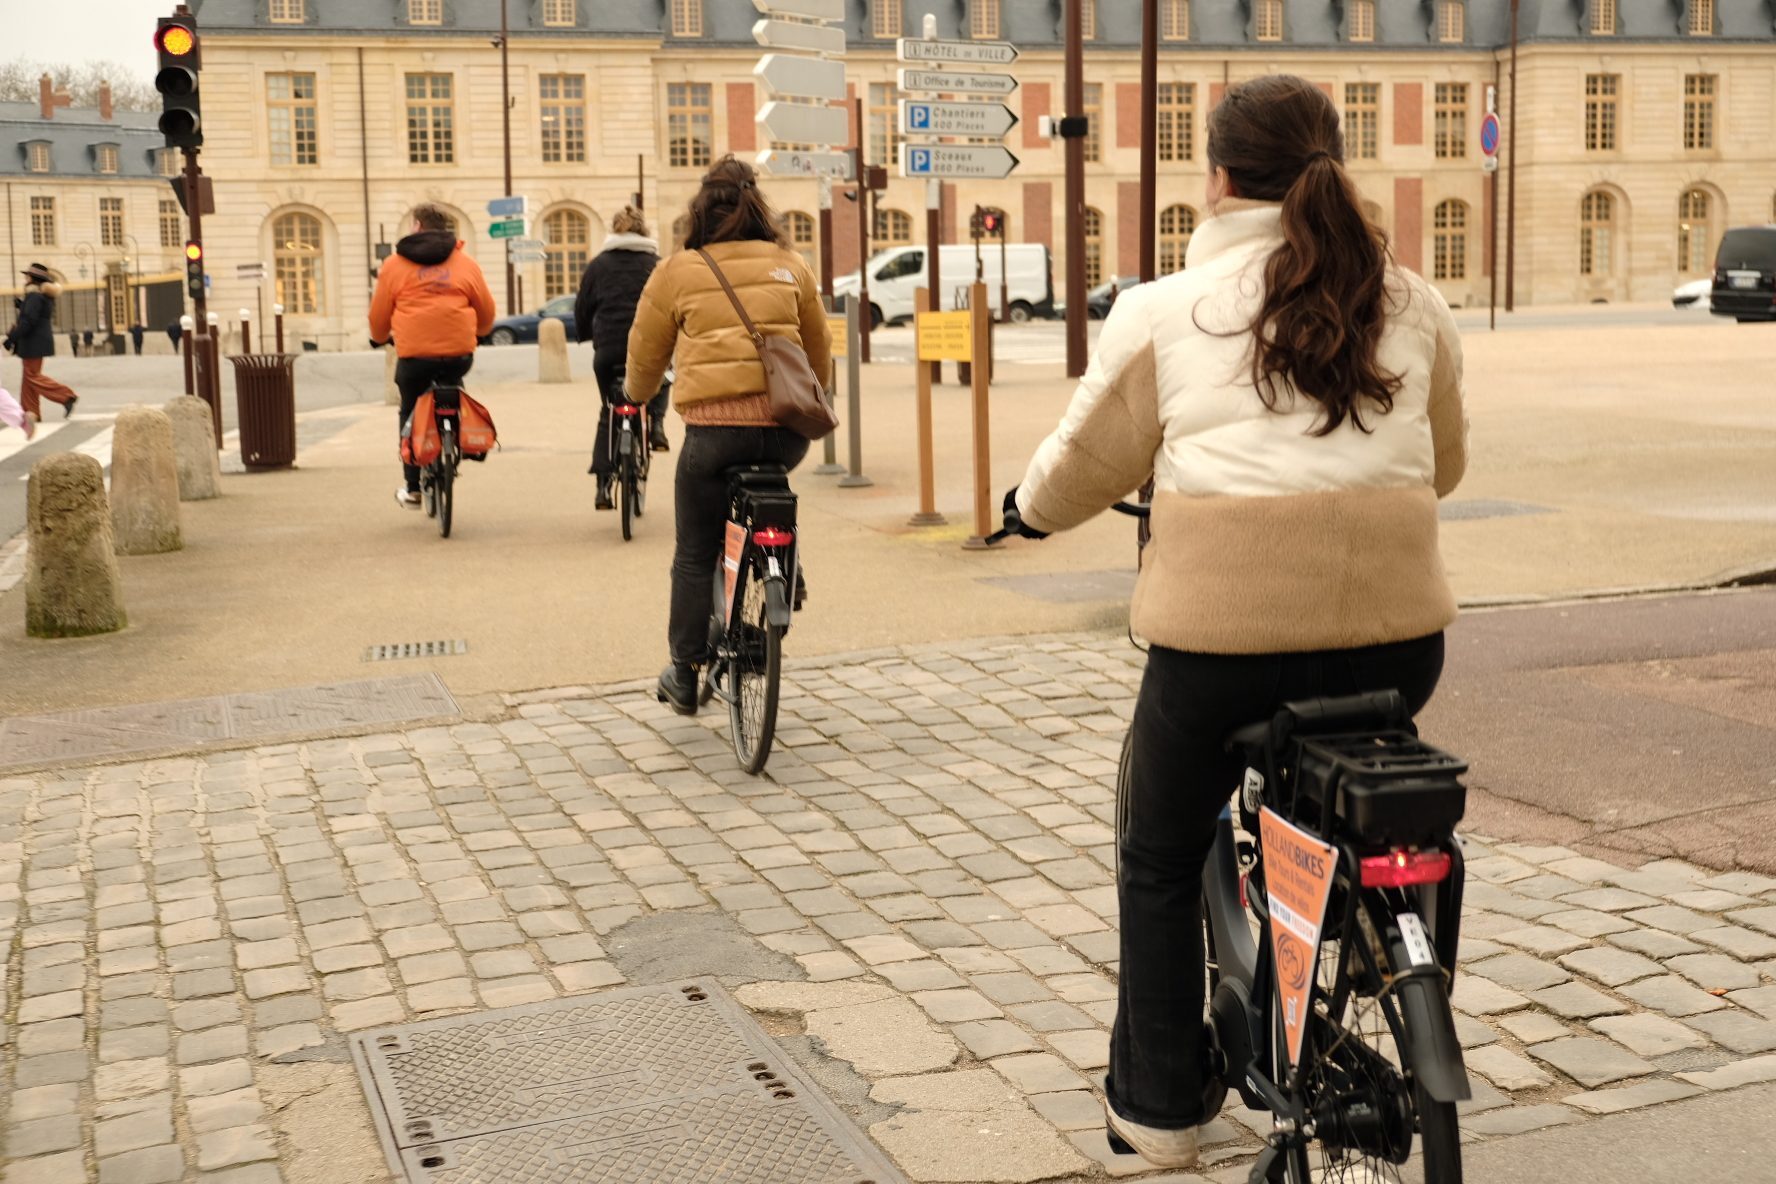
175, 40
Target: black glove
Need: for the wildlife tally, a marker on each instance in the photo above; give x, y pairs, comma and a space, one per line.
1014, 521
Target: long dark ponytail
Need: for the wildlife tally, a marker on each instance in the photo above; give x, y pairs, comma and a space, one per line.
1326, 288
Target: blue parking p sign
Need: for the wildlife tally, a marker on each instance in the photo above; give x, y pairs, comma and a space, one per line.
918, 161
918, 117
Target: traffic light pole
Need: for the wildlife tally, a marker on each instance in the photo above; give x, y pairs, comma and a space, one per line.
209, 386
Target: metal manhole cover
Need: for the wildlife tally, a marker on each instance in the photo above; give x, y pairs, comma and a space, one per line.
647, 1085
415, 649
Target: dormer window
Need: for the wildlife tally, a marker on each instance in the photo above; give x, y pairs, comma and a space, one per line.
166, 161
1452, 24
1603, 18
37, 157
1360, 20
288, 12
1267, 21
1701, 18
425, 12
105, 158
559, 14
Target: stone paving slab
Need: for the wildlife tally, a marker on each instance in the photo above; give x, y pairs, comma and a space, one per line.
920, 894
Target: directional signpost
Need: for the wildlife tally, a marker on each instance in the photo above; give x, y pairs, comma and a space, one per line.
957, 53
981, 162
507, 228
791, 162
956, 82
955, 119
508, 207
527, 250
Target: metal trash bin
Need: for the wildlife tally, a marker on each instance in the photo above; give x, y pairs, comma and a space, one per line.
265, 399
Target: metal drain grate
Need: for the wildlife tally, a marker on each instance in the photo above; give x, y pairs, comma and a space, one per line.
415, 649
647, 1085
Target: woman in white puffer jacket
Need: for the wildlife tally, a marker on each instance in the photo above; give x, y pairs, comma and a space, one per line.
1297, 398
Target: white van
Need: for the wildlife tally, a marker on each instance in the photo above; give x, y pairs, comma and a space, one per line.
896, 273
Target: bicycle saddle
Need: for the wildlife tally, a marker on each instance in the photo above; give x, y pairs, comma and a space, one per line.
1372, 709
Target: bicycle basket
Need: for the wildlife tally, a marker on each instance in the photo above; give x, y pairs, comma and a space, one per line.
1386, 787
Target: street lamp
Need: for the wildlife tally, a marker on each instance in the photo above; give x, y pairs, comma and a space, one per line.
134, 253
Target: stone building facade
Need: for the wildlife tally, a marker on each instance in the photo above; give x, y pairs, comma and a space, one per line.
1644, 129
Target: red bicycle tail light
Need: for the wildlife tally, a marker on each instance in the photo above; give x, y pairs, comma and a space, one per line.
626, 409
1401, 868
773, 536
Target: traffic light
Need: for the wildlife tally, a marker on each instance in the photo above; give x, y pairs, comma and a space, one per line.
194, 269
990, 223
175, 40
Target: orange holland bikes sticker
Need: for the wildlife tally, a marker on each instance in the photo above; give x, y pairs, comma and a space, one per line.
1298, 871
735, 544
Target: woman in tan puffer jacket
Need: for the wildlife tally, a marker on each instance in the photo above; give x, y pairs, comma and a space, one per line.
719, 388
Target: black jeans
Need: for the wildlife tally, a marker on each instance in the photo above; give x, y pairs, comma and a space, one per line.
413, 378
1180, 779
604, 372
701, 492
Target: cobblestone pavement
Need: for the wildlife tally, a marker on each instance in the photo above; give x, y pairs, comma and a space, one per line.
919, 898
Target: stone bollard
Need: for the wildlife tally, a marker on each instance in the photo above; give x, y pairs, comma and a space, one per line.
552, 352
144, 483
391, 394
72, 585
194, 449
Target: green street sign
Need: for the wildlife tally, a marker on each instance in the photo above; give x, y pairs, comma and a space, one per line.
507, 228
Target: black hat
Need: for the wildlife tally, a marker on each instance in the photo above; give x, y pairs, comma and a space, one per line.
39, 273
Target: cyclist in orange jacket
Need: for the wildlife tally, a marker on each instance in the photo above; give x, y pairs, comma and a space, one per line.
433, 300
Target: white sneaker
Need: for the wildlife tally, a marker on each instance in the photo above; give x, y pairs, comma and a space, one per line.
406, 497
1159, 1147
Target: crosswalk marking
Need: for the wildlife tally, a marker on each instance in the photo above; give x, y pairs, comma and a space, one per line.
12, 442
97, 446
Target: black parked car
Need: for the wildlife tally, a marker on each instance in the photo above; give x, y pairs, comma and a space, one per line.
1745, 275
1100, 298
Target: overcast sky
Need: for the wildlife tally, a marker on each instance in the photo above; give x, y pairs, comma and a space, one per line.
84, 31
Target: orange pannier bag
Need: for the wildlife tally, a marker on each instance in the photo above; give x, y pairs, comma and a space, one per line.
420, 444
475, 426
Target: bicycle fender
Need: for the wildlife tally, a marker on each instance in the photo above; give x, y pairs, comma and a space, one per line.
1433, 1051
777, 610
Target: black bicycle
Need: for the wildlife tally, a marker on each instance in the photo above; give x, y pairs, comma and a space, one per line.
754, 597
437, 481
1335, 1017
630, 452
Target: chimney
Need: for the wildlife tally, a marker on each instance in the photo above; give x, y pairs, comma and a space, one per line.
105, 101
49, 98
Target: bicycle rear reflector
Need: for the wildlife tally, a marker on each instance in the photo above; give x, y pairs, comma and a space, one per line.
626, 409
1401, 868
773, 536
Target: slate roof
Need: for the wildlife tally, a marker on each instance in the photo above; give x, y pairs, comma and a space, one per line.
72, 135
1214, 24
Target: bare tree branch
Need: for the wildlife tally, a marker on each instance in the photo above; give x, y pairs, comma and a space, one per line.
129, 90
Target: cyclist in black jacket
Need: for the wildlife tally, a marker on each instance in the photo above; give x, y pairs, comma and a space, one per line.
603, 312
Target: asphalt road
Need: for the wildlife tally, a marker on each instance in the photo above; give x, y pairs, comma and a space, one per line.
1642, 727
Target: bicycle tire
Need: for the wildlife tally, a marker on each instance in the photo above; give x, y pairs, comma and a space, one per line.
446, 481
626, 494
755, 668
1439, 1139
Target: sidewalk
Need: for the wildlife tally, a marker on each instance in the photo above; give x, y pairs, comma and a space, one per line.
1642, 462
918, 905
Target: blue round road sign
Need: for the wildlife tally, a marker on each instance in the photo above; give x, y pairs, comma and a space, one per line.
1489, 135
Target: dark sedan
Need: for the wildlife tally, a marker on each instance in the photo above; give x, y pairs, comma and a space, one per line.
1100, 298
523, 327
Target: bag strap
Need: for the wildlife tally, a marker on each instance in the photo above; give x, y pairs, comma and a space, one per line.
758, 339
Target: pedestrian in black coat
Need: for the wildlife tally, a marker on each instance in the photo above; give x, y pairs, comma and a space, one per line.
32, 338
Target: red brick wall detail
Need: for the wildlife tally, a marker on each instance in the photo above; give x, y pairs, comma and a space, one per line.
1038, 101
947, 217
1128, 115
742, 115
1409, 222
1216, 90
1125, 228
1037, 224
852, 129
1409, 116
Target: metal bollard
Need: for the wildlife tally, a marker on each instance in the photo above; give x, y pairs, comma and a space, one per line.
277, 310
246, 323
854, 315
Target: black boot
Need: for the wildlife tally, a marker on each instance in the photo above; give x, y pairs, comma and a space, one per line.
678, 688
607, 488
657, 437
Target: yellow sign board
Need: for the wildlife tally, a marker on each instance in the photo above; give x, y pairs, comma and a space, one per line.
946, 336
835, 327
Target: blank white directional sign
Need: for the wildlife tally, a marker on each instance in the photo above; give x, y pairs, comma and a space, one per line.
919, 118
819, 10
796, 35
804, 123
989, 162
958, 53
787, 162
787, 75
956, 82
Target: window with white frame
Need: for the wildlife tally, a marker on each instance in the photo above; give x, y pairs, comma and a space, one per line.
687, 18
1701, 18
172, 226
1597, 234
296, 261
1603, 18
1360, 18
563, 111
1267, 21
425, 12
287, 12
292, 119
887, 21
983, 19
1174, 20
1449, 240
105, 158
1451, 22
110, 221
559, 14
1176, 225
37, 157
43, 222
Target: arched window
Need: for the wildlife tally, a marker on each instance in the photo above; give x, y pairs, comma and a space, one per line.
568, 234
1449, 244
1176, 225
1597, 234
1094, 247
894, 228
296, 249
1695, 233
803, 237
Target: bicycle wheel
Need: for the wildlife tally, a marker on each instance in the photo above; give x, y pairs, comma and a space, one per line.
714, 664
755, 671
626, 489
446, 479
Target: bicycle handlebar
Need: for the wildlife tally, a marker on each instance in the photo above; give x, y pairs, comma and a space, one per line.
1133, 509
